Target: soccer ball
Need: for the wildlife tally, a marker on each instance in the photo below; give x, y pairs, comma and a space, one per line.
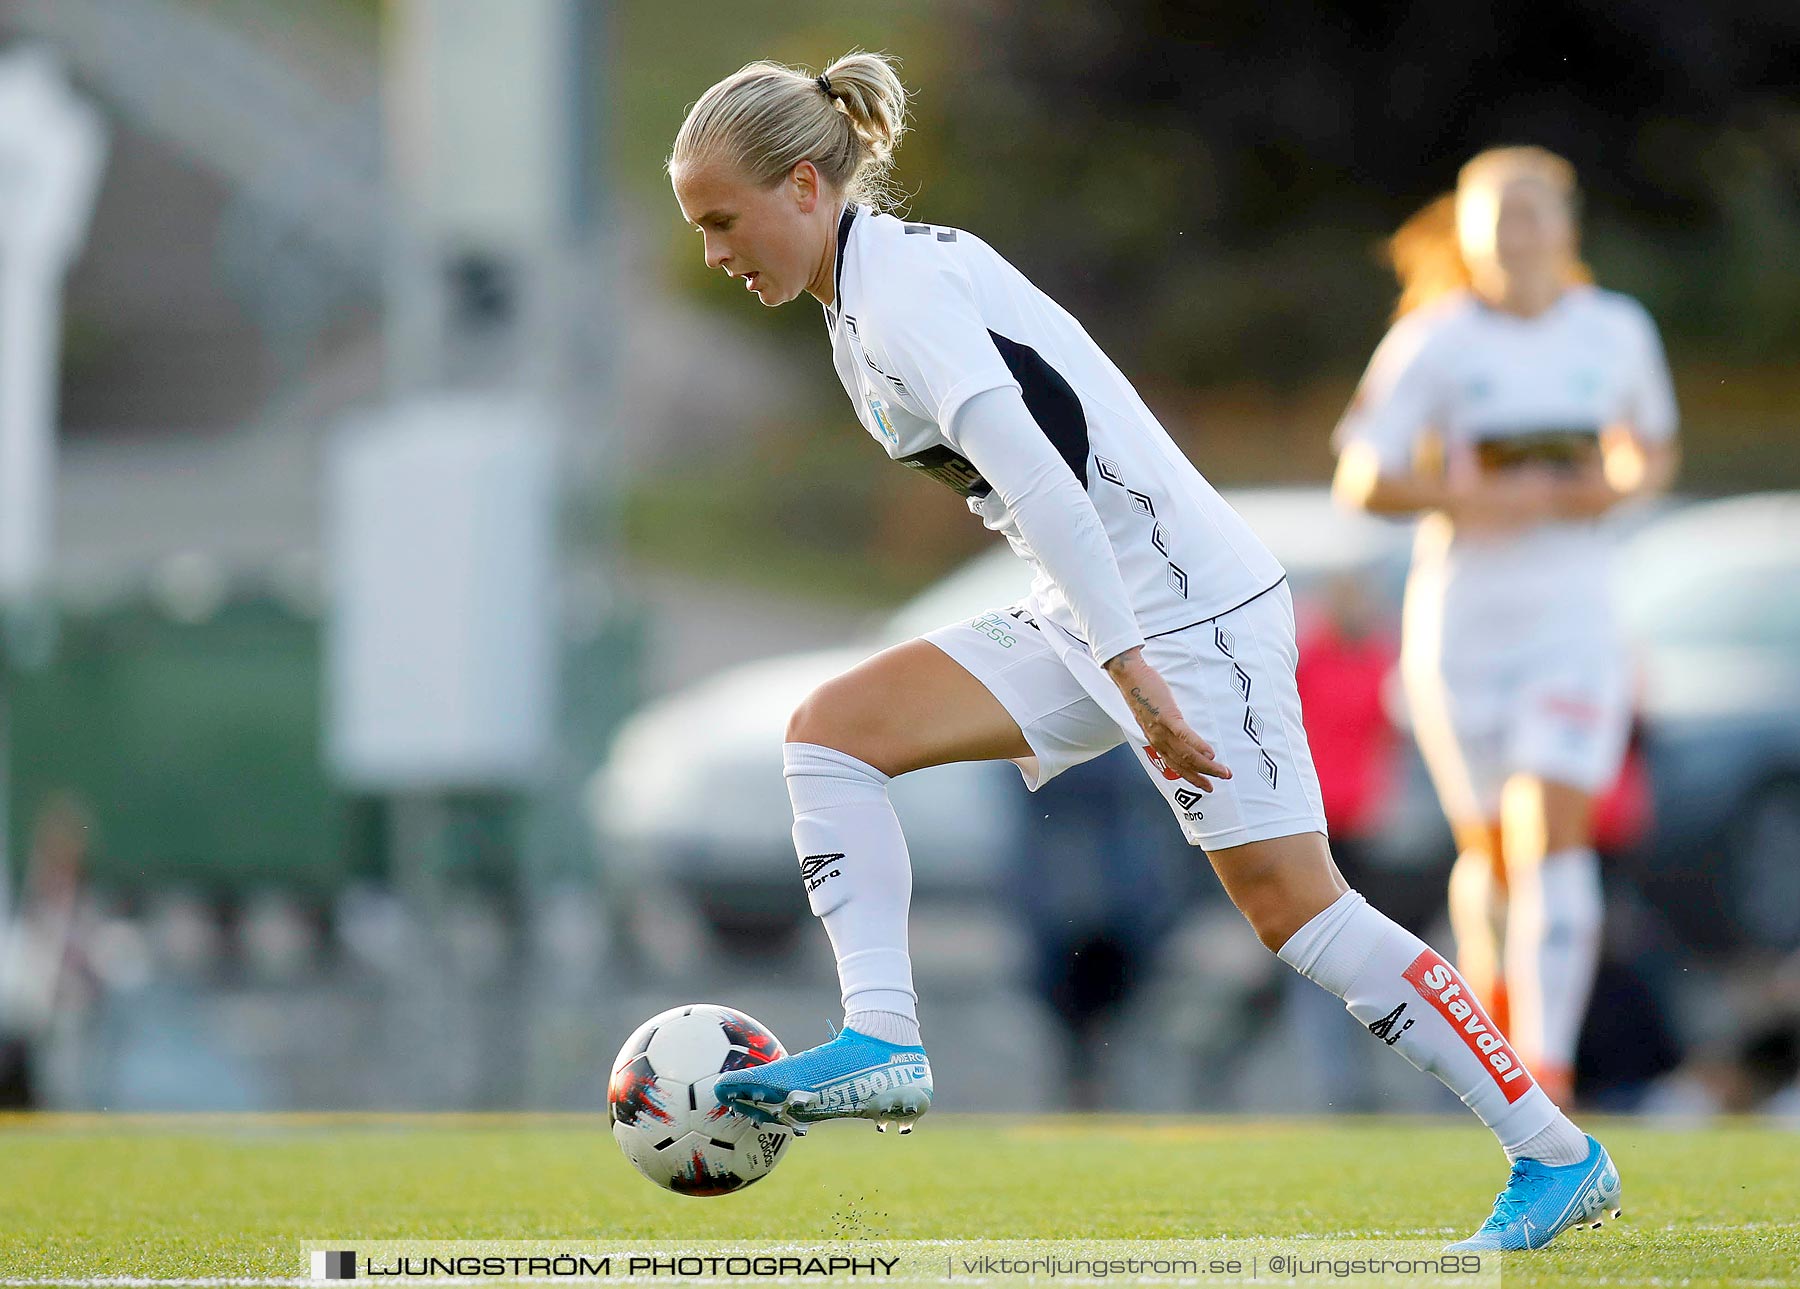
660, 1098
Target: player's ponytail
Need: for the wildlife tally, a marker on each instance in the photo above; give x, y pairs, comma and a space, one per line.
1426, 256
766, 118
866, 89
1426, 252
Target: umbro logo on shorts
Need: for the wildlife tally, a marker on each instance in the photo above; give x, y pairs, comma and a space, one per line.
1187, 799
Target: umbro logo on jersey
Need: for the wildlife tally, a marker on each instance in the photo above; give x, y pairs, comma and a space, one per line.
812, 869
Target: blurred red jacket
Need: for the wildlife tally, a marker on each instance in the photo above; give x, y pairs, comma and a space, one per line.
1341, 678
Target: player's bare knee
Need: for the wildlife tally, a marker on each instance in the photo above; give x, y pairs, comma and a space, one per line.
1478, 837
805, 723
821, 720
834, 716
1270, 906
1275, 923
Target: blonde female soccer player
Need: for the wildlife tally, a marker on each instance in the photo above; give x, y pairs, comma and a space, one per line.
1545, 402
1155, 615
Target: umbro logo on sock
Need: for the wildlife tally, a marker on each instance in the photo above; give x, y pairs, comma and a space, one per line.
812, 869
1384, 1030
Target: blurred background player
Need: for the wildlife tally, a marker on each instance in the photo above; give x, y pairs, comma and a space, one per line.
1153, 604
1514, 404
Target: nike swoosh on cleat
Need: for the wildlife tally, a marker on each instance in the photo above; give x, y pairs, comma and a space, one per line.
1581, 1193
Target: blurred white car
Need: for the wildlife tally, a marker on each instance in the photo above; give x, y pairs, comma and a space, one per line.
720, 841
1711, 595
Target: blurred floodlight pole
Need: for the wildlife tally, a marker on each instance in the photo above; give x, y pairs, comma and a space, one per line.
52, 145
484, 167
443, 507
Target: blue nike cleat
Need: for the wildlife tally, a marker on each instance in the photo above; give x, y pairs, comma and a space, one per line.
851, 1077
1540, 1202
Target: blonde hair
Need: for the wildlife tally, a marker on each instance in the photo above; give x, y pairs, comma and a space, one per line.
1426, 253
766, 118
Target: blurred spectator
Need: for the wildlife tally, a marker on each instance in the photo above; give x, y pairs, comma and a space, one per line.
1346, 654
1100, 878
46, 978
1627, 1041
1752, 1068
1624, 812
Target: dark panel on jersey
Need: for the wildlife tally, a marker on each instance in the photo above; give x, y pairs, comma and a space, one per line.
1567, 450
951, 469
1052, 402
843, 239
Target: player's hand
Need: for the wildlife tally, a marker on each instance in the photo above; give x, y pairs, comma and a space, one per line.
1585, 495
1153, 705
1503, 501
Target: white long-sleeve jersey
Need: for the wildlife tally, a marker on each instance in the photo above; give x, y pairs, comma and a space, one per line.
924, 318
1485, 381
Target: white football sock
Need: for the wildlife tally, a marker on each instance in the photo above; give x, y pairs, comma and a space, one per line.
889, 1027
858, 876
1413, 1001
1559, 1145
1477, 920
1552, 949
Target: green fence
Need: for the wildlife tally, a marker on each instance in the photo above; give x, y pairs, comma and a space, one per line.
196, 747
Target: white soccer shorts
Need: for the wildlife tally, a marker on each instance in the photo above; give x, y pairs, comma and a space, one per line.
1560, 711
1232, 677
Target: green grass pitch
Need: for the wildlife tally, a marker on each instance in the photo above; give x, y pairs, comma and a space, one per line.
201, 1197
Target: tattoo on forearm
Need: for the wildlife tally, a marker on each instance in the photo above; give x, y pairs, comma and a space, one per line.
1137, 696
